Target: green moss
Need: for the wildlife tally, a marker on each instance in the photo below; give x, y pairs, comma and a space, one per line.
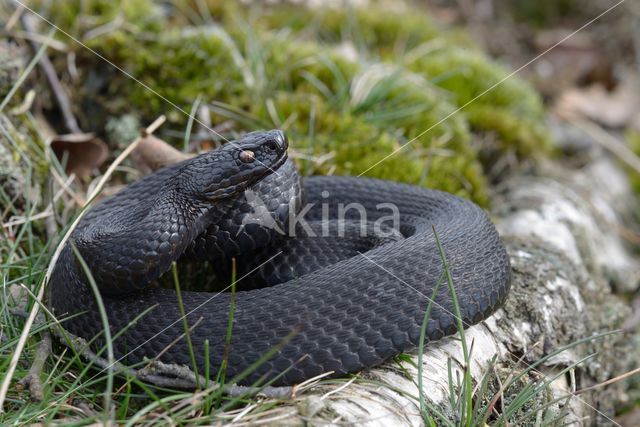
351, 146
346, 110
633, 137
326, 100
491, 98
183, 66
77, 17
510, 107
383, 29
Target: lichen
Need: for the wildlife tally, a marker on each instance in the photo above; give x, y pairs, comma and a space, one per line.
11, 63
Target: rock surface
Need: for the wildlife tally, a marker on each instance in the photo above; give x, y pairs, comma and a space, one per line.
564, 230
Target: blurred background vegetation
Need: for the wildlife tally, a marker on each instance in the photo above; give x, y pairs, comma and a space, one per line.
349, 85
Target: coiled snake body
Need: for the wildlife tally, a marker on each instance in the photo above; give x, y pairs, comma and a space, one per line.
337, 294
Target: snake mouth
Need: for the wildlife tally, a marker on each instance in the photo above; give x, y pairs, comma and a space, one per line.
280, 161
281, 144
281, 139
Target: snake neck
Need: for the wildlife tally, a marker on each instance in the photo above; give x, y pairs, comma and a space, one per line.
139, 241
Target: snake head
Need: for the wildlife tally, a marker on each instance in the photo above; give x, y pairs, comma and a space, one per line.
230, 169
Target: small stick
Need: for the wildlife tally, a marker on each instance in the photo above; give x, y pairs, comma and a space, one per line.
611, 381
84, 407
609, 142
32, 379
166, 375
54, 82
15, 16
54, 44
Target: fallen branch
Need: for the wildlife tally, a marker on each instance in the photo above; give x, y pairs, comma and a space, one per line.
166, 375
608, 382
54, 82
32, 379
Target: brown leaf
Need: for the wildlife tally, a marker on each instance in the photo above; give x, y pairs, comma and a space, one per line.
614, 109
153, 153
82, 152
569, 61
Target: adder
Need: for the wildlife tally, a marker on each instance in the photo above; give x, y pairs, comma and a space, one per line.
337, 272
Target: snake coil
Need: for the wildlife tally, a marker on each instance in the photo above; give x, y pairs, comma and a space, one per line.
333, 292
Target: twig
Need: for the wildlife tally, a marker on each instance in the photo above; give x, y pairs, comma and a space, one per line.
163, 374
611, 381
54, 82
15, 16
54, 44
610, 142
34, 310
339, 389
32, 379
22, 220
205, 130
499, 395
64, 185
85, 407
51, 230
104, 29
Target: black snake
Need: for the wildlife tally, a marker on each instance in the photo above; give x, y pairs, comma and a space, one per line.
323, 288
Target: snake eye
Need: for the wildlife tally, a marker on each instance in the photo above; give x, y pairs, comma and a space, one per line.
271, 145
247, 156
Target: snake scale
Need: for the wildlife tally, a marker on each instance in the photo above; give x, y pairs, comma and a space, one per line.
332, 293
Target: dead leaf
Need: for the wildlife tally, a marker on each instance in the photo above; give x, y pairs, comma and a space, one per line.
80, 152
615, 109
567, 62
153, 153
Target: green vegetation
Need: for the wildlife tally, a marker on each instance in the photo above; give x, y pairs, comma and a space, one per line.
446, 58
350, 87
633, 137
